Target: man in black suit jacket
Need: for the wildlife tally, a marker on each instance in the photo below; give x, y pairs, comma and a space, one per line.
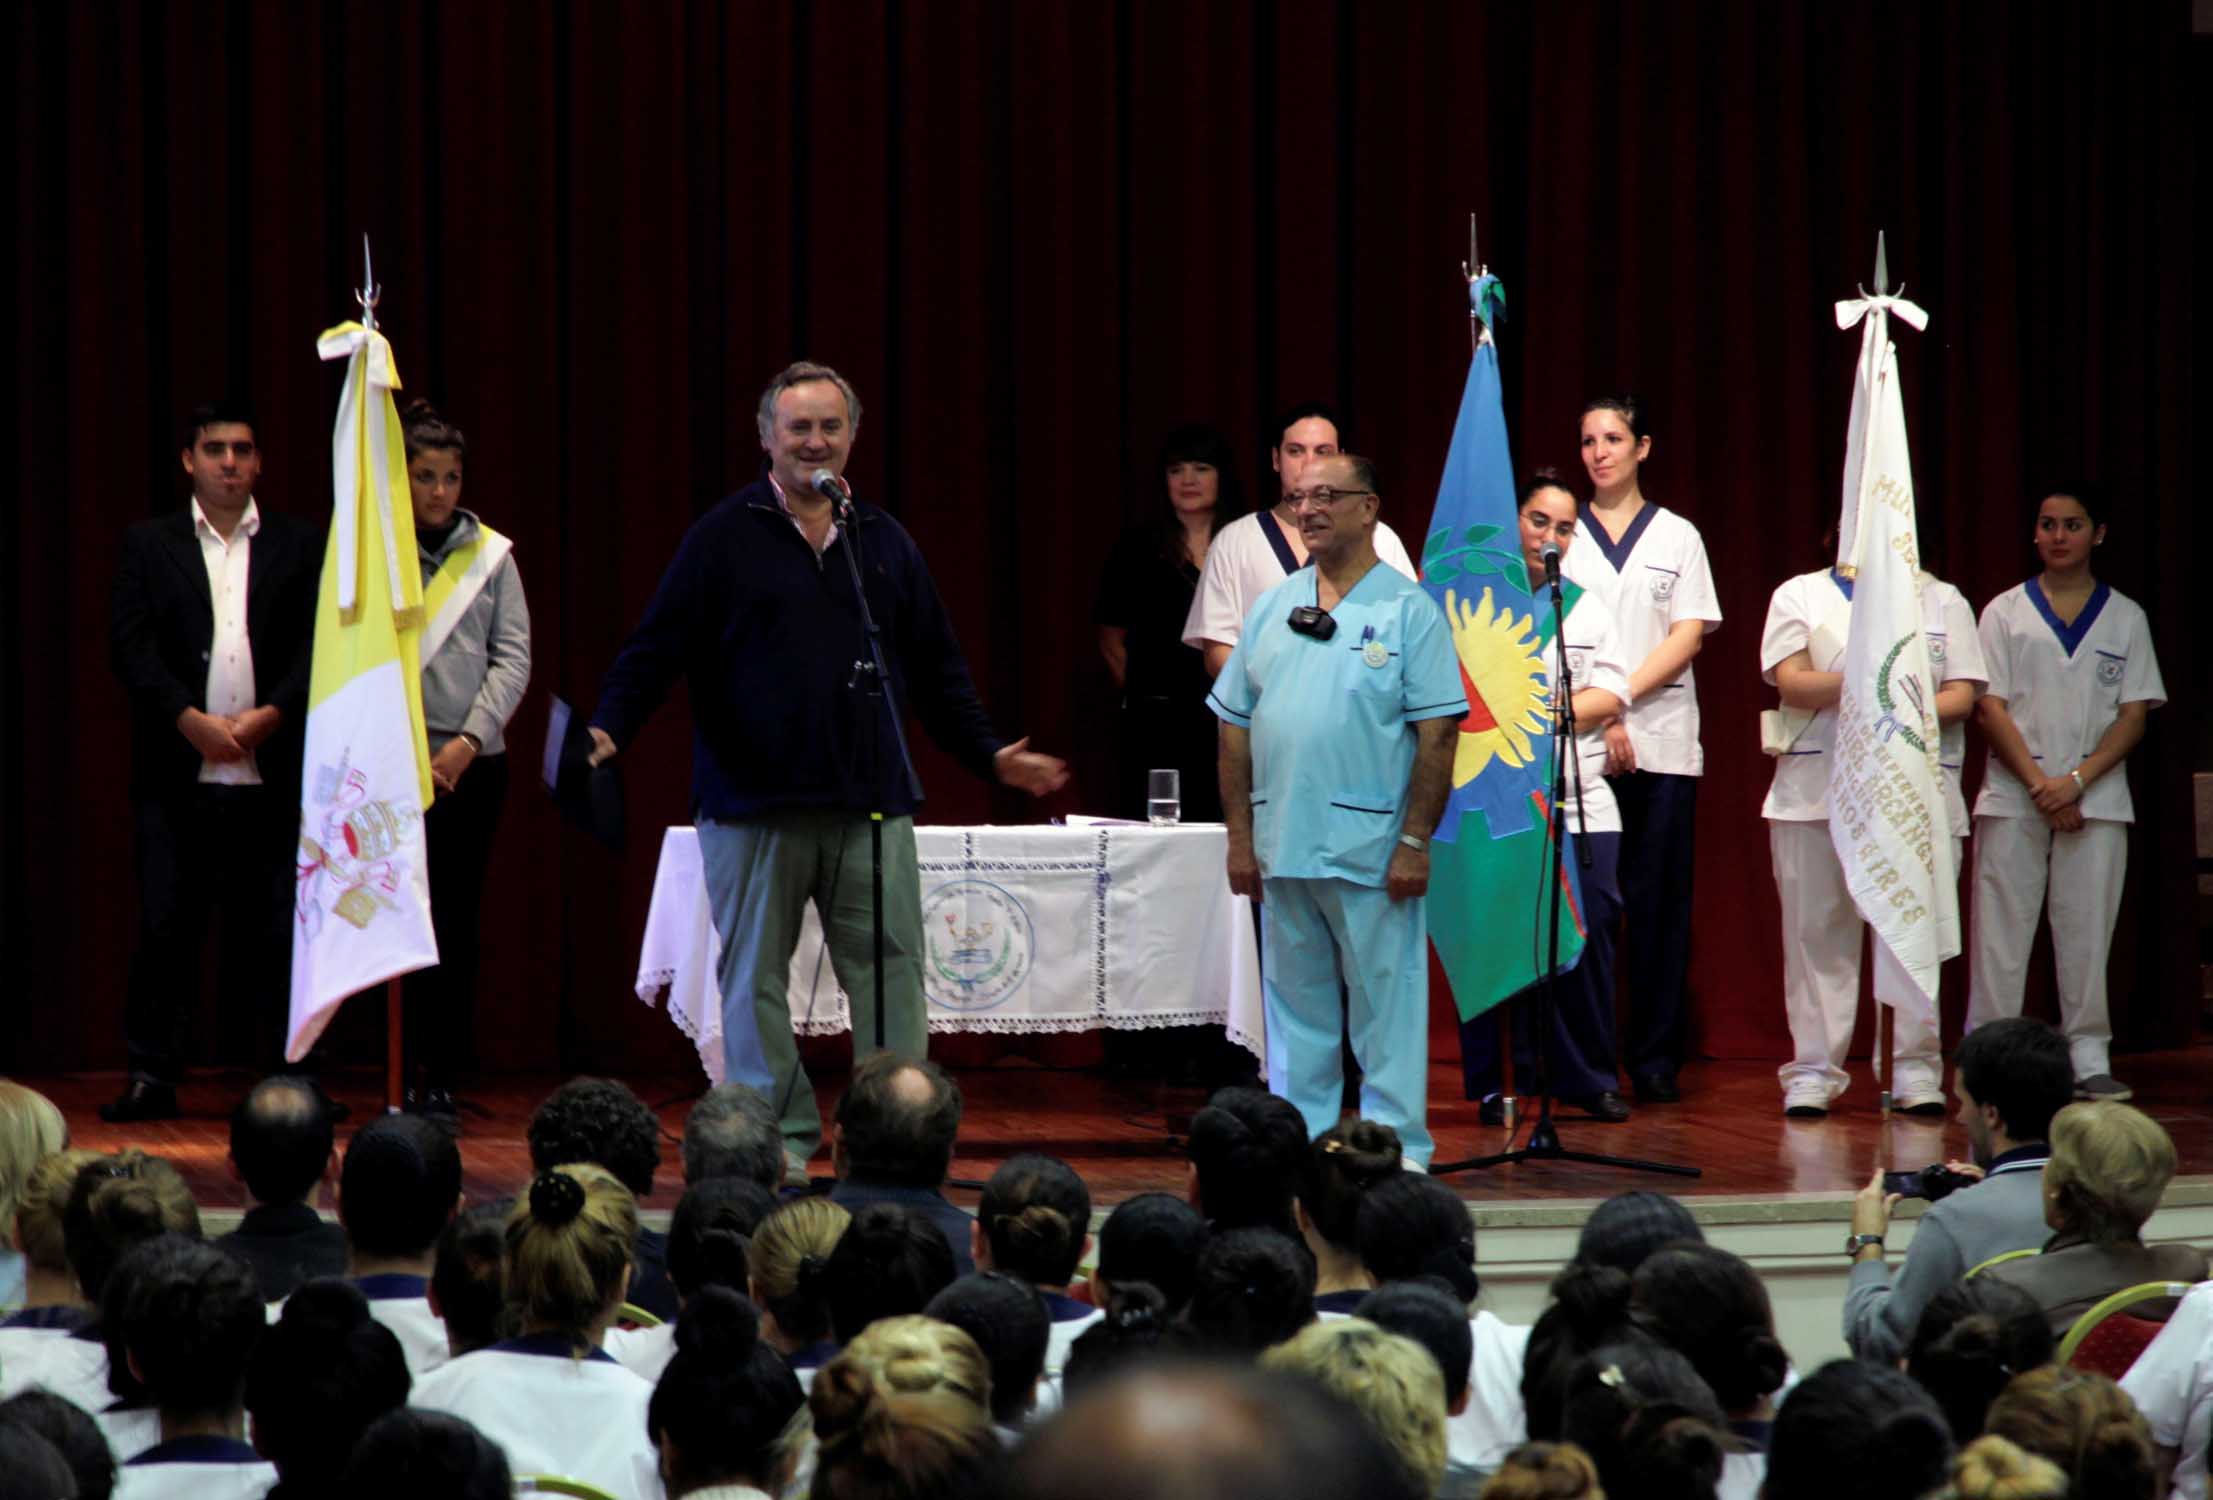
281, 1142
211, 629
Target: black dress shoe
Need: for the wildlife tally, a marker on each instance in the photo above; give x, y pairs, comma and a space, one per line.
141, 1101
1658, 1088
1609, 1107
1492, 1111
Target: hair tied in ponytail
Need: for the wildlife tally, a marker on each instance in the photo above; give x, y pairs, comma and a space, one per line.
555, 1198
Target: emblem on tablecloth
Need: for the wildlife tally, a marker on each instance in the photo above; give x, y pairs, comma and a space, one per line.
977, 944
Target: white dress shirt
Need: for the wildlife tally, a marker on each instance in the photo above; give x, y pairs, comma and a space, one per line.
230, 656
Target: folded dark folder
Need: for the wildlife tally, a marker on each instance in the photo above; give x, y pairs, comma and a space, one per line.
589, 797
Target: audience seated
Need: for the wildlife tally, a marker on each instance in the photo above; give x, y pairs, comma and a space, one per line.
787, 1266
1544, 1471
599, 1120
892, 1142
400, 1184
1991, 1468
1182, 1431
706, 1247
1254, 1288
75, 1436
733, 1132
51, 1302
1853, 1430
31, 1468
1034, 1221
2172, 1385
31, 1129
2110, 1164
1711, 1307
1133, 1326
1006, 1316
1392, 1381
1154, 1238
1973, 1338
912, 1355
1339, 1167
2085, 1424
889, 1262
425, 1455
551, 1396
1427, 1312
879, 1446
1648, 1421
468, 1277
719, 1412
189, 1325
281, 1152
1625, 1229
322, 1373
1247, 1147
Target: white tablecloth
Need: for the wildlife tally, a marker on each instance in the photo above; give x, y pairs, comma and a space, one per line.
1026, 929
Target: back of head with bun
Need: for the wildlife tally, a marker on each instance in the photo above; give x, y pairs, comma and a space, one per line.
1036, 1214
889, 1261
117, 1202
1712, 1306
1647, 1420
2084, 1423
569, 1242
1246, 1147
1411, 1224
1973, 1338
725, 1397
324, 1371
1590, 1307
1834, 1419
1154, 1238
1254, 1287
908, 1446
1995, 1468
787, 1261
1545, 1471
1343, 1162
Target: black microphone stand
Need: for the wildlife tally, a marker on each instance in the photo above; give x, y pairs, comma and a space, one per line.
1544, 1136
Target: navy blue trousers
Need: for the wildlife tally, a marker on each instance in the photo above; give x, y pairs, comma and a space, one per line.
1659, 818
1580, 1045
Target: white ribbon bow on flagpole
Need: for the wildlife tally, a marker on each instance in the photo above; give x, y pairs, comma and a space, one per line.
382, 373
1852, 309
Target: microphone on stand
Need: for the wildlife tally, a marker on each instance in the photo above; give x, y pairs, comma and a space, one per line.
832, 488
1550, 552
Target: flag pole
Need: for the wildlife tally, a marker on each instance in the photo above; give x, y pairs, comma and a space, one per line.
1884, 1035
394, 1041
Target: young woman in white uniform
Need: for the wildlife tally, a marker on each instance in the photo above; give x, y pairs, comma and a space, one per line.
553, 1398
1802, 656
2072, 676
1649, 565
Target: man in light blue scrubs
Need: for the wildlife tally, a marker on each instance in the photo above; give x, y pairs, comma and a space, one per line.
1339, 709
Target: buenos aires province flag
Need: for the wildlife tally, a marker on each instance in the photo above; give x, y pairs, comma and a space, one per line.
1490, 863
361, 912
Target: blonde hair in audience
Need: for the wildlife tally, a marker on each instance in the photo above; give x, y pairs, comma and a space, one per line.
792, 1232
2085, 1424
1993, 1468
30, 1128
1544, 1471
880, 1446
1393, 1382
139, 1192
2110, 1163
914, 1355
568, 1247
45, 1198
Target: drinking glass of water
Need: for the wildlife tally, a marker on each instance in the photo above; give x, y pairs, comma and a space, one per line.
1164, 798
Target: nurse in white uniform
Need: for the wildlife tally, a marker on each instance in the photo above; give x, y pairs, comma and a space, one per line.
2072, 676
1802, 656
1649, 566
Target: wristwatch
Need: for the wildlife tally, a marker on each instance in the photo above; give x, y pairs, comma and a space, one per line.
1858, 1242
1415, 842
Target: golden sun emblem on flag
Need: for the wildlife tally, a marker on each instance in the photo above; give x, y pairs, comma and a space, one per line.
1503, 673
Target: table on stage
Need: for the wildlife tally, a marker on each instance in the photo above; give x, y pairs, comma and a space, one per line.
1025, 929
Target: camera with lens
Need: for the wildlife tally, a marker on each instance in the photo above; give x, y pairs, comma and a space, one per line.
1308, 619
1932, 1182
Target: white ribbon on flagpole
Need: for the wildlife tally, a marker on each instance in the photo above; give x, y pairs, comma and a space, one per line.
381, 371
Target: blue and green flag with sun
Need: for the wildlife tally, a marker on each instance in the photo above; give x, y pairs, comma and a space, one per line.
1490, 862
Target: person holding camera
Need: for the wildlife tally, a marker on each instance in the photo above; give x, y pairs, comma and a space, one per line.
1340, 706
2011, 1077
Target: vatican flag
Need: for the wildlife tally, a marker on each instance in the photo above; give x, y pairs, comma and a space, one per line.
361, 912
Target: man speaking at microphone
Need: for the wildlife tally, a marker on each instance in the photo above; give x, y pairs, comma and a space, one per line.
791, 753
1339, 709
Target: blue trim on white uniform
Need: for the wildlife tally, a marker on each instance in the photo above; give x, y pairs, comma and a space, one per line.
1617, 553
2070, 636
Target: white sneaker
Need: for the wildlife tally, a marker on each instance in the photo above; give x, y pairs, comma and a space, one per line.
1927, 1102
1806, 1101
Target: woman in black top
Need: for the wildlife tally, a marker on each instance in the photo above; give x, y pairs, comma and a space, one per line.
1144, 595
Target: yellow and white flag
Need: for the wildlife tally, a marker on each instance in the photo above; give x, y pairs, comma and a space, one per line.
362, 908
1886, 788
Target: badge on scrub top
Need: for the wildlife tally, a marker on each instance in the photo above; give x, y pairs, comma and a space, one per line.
1375, 655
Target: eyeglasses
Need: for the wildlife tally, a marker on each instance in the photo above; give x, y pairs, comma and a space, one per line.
1321, 495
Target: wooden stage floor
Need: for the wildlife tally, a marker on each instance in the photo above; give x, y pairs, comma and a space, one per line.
1117, 1133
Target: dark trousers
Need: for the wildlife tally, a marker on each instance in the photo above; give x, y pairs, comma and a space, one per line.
1579, 1045
220, 854
1659, 819
440, 1002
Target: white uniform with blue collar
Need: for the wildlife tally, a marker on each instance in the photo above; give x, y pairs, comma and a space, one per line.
1821, 926
1332, 750
2063, 686
552, 1412
195, 1468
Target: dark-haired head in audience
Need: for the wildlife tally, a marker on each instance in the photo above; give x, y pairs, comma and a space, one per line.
1646, 1419
187, 1320
1427, 1312
1247, 1148
1854, 1430
1340, 1166
787, 1264
1033, 1221
1154, 1238
1973, 1338
2085, 1424
889, 1261
2013, 1075
1627, 1227
599, 1120
426, 1455
732, 1132
31, 1468
1413, 1225
1254, 1287
896, 1123
400, 1183
568, 1253
721, 1406
1711, 1307
1006, 1317
708, 1234
1589, 1309
74, 1435
119, 1201
1207, 1432
324, 1371
281, 1151
1132, 1329
468, 1281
